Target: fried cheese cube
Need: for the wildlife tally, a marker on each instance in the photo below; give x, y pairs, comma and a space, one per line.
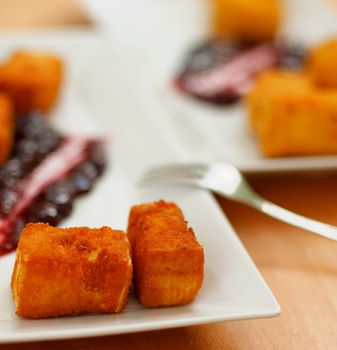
70, 271
7, 125
290, 116
321, 64
246, 20
168, 260
32, 80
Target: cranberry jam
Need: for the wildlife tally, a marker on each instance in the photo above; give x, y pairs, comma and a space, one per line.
221, 71
43, 177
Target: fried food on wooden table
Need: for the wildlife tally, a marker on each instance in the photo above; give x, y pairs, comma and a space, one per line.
7, 124
321, 64
246, 20
32, 80
70, 271
168, 260
290, 116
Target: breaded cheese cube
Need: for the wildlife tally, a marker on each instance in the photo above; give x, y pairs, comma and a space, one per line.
70, 271
7, 125
321, 64
168, 260
246, 20
292, 117
32, 80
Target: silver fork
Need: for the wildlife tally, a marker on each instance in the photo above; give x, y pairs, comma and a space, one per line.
226, 180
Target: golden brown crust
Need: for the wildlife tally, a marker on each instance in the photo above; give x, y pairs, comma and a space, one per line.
291, 117
70, 271
168, 260
7, 127
32, 80
321, 64
246, 20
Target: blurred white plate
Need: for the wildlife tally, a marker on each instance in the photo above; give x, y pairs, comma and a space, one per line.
95, 99
154, 35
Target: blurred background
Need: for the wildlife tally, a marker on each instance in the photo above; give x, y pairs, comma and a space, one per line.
299, 267
31, 13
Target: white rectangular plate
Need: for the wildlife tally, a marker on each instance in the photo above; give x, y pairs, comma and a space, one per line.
166, 30
96, 98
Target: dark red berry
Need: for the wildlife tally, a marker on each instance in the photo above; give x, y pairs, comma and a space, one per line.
31, 126
14, 168
97, 156
291, 56
60, 193
81, 183
18, 226
209, 54
8, 199
89, 170
45, 212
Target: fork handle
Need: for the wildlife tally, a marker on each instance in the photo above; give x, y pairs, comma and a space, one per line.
297, 220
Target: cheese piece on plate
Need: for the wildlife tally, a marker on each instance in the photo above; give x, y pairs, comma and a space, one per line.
321, 64
32, 80
70, 271
7, 122
246, 20
168, 260
292, 117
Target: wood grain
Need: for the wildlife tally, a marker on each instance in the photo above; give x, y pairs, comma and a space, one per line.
300, 268
40, 13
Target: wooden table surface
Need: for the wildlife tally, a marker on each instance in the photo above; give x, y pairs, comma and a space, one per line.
300, 268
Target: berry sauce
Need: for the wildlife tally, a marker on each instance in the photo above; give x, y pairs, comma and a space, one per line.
43, 177
221, 71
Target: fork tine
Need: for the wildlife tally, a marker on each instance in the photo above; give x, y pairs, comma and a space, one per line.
160, 180
187, 174
170, 176
173, 173
177, 168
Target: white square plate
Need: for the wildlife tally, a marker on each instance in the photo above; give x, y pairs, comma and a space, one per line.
166, 30
96, 98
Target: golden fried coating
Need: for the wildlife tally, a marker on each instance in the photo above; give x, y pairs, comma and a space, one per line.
290, 116
7, 123
70, 271
321, 64
32, 80
246, 20
168, 260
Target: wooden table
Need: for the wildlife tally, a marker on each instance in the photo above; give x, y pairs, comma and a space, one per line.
299, 267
